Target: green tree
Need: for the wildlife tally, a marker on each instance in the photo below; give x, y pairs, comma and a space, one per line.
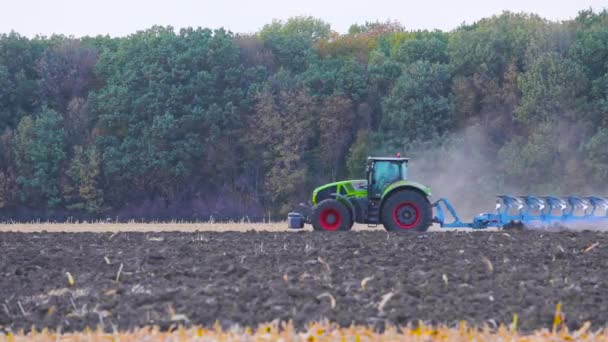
39, 154
357, 155
342, 77
7, 189
20, 93
486, 59
490, 45
292, 41
169, 112
547, 159
595, 157
591, 43
426, 46
552, 87
590, 52
305, 27
419, 107
8, 181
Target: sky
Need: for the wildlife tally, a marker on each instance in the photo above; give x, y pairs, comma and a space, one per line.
122, 17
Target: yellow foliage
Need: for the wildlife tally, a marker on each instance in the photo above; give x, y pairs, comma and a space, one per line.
322, 332
70, 278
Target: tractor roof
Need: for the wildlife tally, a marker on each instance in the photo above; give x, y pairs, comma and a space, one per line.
388, 159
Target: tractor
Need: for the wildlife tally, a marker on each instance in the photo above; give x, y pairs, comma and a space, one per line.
385, 197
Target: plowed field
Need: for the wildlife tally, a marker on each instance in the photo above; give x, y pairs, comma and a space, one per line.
126, 280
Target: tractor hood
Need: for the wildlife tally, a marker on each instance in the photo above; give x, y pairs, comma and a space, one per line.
348, 188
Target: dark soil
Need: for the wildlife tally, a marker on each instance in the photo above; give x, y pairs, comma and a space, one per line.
254, 277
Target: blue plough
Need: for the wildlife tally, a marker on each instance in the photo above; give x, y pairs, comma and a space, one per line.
529, 211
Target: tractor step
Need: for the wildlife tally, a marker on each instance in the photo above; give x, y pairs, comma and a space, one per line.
373, 213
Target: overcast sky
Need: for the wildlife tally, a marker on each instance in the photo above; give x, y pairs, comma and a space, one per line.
122, 17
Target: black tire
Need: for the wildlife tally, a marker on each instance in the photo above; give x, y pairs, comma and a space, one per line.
514, 225
407, 210
331, 215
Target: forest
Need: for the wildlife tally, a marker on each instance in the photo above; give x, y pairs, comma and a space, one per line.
199, 123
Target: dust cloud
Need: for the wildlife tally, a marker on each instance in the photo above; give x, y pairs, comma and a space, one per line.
462, 170
466, 170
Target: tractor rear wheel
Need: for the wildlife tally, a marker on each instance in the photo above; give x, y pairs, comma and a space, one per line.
406, 210
331, 215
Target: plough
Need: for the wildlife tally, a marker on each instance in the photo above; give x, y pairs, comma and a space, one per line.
529, 211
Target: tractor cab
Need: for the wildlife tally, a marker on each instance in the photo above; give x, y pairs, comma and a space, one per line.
382, 172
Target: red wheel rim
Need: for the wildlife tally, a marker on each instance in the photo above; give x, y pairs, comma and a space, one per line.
406, 215
330, 219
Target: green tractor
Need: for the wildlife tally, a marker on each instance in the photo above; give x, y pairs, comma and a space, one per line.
386, 197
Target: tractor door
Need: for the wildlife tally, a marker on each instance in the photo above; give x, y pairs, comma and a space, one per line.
383, 173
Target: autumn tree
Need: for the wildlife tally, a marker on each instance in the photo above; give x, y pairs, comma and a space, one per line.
283, 125
337, 118
66, 72
83, 189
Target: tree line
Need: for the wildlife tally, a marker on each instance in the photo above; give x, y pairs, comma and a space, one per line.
199, 123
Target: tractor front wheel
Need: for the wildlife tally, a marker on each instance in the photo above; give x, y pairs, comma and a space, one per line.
407, 210
331, 215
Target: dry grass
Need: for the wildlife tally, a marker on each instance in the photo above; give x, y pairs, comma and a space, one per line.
141, 227
99, 227
319, 332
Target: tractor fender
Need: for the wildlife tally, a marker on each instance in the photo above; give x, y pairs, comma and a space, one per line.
425, 190
349, 205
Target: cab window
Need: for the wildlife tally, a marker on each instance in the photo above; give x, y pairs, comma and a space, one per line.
385, 173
